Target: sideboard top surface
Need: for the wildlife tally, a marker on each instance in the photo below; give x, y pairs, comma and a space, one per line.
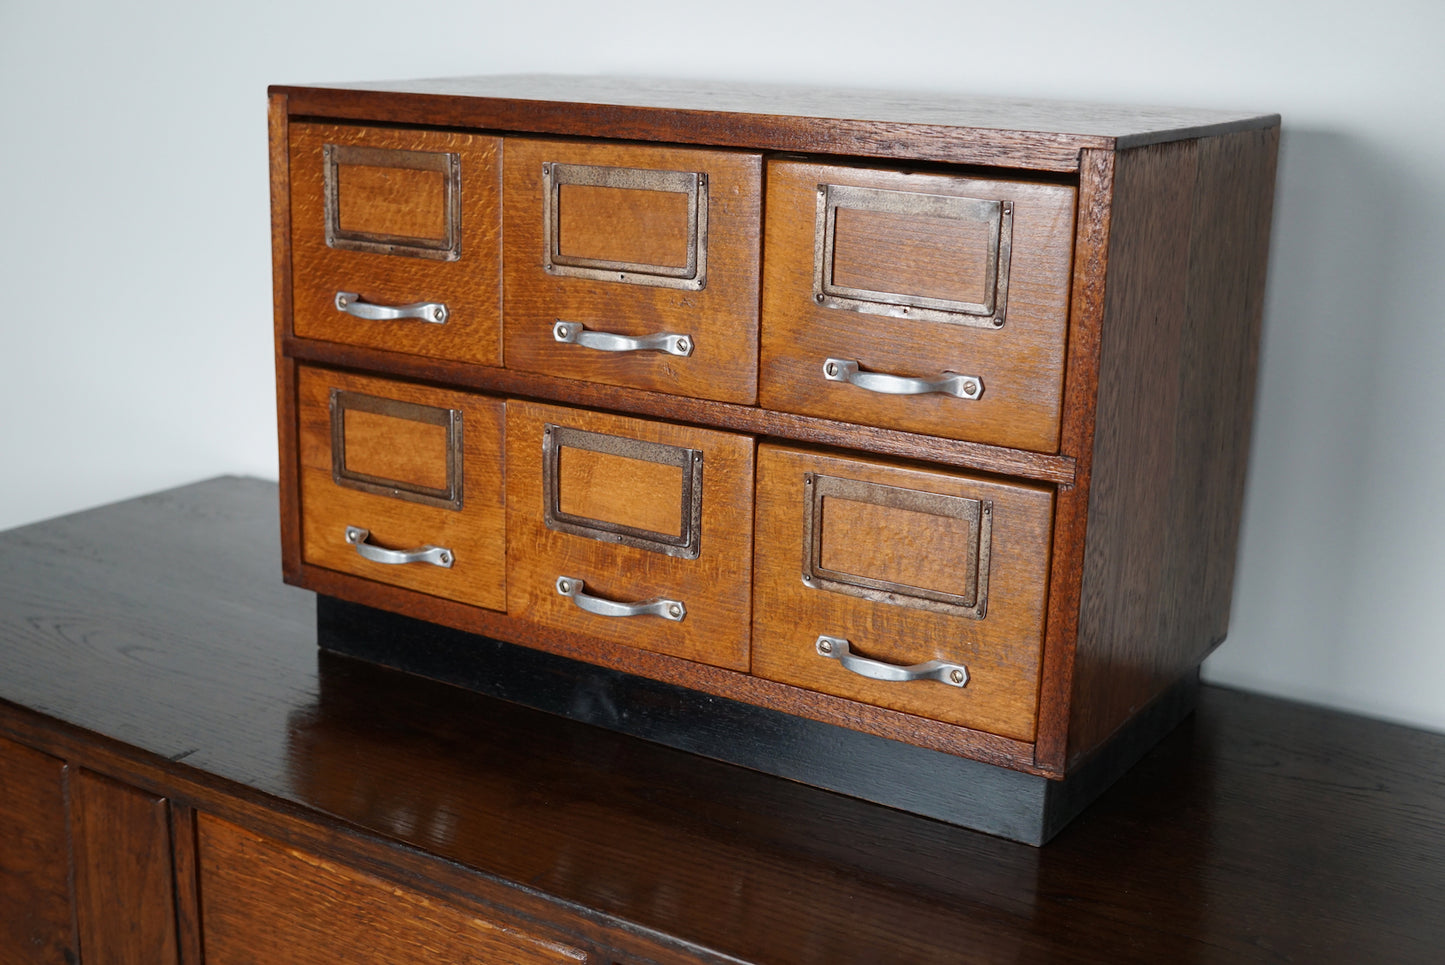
970, 129
1260, 830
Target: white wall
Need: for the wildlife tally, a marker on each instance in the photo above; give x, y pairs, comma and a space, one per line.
134, 264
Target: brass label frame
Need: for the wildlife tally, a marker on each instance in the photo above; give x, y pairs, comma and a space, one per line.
997, 215
686, 545
973, 603
449, 497
691, 276
448, 248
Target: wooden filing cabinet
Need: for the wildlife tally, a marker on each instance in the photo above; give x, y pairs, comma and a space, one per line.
921, 418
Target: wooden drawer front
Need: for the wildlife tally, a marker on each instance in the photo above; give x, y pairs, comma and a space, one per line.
636, 511
921, 277
398, 219
657, 245
263, 901
909, 566
414, 467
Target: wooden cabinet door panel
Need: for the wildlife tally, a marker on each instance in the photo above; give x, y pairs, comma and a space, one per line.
125, 895
265, 902
36, 927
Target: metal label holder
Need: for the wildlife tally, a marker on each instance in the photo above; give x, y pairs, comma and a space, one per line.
691, 276
449, 497
978, 513
446, 248
997, 215
685, 545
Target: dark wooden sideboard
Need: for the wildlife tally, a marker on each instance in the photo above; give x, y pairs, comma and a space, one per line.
184, 777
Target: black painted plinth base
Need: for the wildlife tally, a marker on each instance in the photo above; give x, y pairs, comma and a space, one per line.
1010, 804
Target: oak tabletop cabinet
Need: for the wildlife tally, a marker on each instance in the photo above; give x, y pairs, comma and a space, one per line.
907, 429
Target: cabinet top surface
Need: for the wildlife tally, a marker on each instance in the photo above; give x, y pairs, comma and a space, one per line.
1260, 830
770, 117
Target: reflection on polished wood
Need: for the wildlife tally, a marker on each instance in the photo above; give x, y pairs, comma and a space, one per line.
152, 642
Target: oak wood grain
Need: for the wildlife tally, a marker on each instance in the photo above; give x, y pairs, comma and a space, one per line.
616, 489
403, 450
37, 923
1178, 355
371, 199
623, 224
721, 319
897, 545
1001, 651
125, 896
265, 902
475, 533
945, 258
1021, 364
715, 587
470, 286
1045, 467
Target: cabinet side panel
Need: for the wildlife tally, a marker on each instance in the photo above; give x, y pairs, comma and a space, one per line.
1233, 202
1176, 388
35, 919
125, 902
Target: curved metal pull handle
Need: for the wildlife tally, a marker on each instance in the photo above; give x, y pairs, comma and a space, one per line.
667, 609
351, 304
575, 333
949, 383
836, 648
435, 555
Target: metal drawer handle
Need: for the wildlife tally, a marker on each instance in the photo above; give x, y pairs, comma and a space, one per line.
575, 333
949, 383
667, 609
836, 648
435, 555
351, 304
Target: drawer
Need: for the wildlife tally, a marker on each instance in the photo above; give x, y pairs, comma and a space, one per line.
925, 302
907, 566
396, 240
402, 484
638, 533
633, 265
264, 901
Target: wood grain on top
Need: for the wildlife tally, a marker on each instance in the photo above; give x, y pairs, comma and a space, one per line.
970, 129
